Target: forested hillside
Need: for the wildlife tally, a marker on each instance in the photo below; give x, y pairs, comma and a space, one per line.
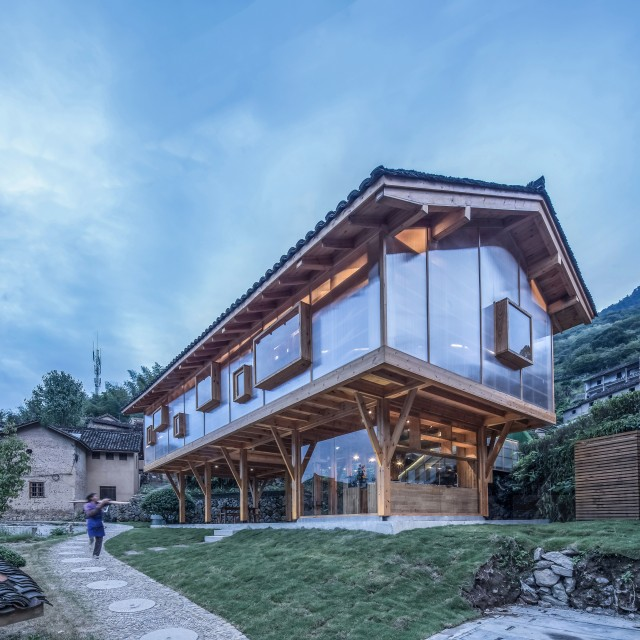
612, 339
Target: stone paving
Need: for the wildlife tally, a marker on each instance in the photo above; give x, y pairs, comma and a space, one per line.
536, 623
115, 589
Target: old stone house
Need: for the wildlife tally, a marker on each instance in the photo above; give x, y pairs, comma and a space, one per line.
67, 463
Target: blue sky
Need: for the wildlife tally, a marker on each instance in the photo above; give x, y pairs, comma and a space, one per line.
156, 158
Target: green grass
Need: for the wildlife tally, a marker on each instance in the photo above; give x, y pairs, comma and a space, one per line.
332, 585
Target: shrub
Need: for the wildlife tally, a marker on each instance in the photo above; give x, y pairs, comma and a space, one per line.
12, 557
164, 502
59, 531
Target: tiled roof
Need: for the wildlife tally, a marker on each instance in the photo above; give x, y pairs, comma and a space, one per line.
18, 591
534, 187
105, 440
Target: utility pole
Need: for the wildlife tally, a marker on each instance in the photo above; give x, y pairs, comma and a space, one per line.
97, 366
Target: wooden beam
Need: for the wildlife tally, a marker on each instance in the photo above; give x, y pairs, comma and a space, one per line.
207, 492
338, 243
544, 266
231, 465
495, 450
383, 480
400, 425
481, 470
173, 484
283, 452
402, 390
182, 498
196, 475
244, 486
366, 220
297, 494
319, 263
561, 305
450, 222
362, 407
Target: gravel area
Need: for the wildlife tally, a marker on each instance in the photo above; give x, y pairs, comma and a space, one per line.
170, 612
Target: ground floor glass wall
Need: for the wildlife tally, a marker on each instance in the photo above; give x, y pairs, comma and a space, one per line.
340, 478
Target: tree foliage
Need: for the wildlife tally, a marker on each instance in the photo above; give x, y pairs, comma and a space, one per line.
164, 502
58, 400
15, 463
546, 468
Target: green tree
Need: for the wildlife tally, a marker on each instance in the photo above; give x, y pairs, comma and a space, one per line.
15, 463
59, 400
139, 380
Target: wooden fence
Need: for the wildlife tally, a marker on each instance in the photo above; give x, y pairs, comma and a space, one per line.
608, 477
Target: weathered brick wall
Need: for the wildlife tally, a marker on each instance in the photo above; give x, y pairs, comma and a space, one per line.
56, 461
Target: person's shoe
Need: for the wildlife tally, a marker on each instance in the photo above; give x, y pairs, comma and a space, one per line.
96, 558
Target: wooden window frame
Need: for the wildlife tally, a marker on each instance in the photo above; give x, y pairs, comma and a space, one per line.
95, 455
108, 489
151, 436
244, 394
180, 425
303, 311
512, 359
211, 370
36, 487
163, 420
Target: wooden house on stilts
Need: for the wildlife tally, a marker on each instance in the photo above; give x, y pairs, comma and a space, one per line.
380, 365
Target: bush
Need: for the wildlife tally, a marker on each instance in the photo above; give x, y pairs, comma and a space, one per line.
59, 531
12, 557
164, 502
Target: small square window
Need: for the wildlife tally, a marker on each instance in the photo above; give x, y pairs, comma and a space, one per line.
151, 435
36, 489
179, 425
513, 335
108, 492
122, 456
161, 418
208, 387
242, 384
95, 455
108, 456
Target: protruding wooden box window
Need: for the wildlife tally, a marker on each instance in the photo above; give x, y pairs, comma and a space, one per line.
284, 349
242, 384
180, 425
151, 435
513, 335
161, 418
208, 387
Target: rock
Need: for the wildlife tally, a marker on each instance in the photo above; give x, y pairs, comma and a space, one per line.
562, 571
537, 554
546, 577
569, 584
544, 590
527, 594
601, 580
558, 558
543, 564
559, 593
589, 609
554, 602
529, 580
570, 551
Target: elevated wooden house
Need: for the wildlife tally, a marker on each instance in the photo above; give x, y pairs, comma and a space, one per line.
380, 365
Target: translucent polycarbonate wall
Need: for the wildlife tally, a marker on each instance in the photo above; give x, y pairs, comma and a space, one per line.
406, 272
341, 477
500, 274
348, 327
462, 277
219, 416
195, 419
454, 304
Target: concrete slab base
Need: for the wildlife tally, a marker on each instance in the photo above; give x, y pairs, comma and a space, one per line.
535, 623
132, 605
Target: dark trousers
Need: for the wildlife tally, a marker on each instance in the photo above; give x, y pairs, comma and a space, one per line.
97, 547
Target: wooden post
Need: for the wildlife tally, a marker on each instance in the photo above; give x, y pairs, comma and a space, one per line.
182, 498
244, 486
384, 465
287, 495
296, 487
481, 472
207, 492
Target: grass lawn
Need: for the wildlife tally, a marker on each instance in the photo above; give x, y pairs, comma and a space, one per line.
332, 585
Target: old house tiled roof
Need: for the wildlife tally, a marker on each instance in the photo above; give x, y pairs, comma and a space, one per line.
105, 440
18, 591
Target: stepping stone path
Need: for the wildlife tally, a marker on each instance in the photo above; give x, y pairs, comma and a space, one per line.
162, 614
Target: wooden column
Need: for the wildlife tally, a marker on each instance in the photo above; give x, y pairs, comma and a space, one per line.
182, 497
207, 492
287, 496
483, 487
244, 486
383, 480
297, 496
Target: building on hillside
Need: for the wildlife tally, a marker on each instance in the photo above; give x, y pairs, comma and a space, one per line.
605, 385
381, 364
67, 463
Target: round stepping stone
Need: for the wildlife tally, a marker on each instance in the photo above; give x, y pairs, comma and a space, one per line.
157, 548
68, 560
175, 633
132, 605
88, 570
132, 552
107, 584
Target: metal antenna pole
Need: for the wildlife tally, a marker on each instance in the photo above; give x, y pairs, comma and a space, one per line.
97, 366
